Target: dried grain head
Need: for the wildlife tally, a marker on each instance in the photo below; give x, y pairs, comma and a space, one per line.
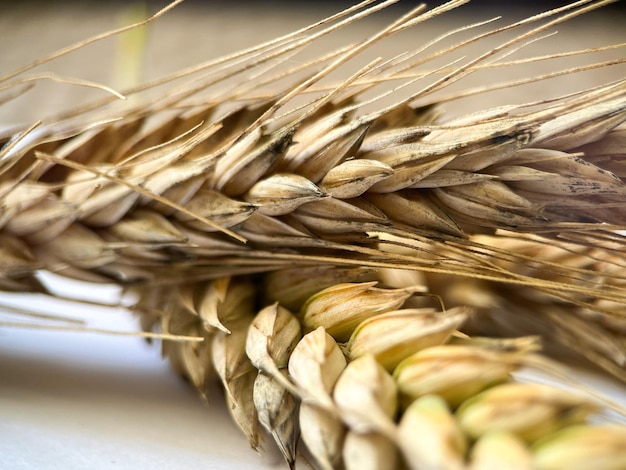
259, 163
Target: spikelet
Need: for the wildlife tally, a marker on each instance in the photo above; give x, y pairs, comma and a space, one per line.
582, 446
323, 249
498, 449
454, 372
429, 435
528, 410
392, 336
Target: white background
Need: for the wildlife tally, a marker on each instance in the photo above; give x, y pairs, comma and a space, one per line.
89, 401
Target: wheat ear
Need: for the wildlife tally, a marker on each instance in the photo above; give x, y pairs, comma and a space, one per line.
323, 249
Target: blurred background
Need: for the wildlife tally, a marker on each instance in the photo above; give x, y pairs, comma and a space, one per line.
197, 31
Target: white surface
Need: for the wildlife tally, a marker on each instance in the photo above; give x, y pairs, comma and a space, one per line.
88, 401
